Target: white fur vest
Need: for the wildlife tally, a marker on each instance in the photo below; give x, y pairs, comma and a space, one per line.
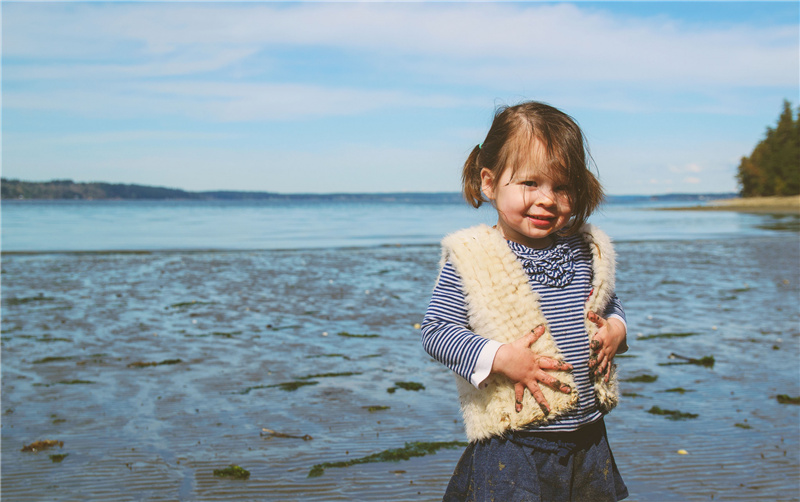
502, 306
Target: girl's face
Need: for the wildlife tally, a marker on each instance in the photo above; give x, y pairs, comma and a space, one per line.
531, 206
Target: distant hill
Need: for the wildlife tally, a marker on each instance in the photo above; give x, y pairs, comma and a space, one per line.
69, 190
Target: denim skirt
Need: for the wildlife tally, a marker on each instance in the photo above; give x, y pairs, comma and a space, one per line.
539, 467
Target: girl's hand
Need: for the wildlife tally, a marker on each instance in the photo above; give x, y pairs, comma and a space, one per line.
609, 341
527, 369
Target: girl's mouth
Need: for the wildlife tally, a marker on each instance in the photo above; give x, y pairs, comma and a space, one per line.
540, 220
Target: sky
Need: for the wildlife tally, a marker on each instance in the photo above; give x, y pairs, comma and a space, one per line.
321, 97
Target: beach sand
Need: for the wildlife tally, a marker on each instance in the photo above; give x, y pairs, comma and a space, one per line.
156, 369
772, 205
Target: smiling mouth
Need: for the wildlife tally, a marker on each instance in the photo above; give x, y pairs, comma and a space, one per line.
541, 220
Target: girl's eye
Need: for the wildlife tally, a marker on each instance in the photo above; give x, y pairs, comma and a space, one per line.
561, 188
530, 183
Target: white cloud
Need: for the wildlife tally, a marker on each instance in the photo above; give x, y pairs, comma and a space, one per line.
488, 43
691, 180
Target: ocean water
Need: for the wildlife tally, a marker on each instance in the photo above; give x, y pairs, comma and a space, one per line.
256, 225
157, 368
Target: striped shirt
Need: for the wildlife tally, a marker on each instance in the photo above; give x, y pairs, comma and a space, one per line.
561, 274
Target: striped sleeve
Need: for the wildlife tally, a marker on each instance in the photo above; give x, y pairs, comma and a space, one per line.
614, 309
445, 330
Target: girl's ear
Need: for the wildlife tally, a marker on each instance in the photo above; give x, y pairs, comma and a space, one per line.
487, 183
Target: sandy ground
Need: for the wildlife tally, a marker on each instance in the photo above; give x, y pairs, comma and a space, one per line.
776, 205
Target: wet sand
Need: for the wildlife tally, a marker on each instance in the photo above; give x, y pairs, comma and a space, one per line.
224, 329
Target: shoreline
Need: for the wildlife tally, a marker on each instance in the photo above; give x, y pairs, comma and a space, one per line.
773, 204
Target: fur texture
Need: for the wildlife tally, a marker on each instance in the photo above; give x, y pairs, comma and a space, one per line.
502, 306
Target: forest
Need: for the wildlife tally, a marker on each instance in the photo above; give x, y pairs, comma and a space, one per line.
773, 168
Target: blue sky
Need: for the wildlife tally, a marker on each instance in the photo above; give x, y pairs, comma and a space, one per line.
382, 97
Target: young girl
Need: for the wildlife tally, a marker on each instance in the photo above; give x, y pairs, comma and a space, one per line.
525, 314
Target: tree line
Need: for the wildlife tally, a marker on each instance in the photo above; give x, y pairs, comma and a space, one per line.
773, 168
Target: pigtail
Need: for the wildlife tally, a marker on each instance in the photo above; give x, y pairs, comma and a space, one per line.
471, 179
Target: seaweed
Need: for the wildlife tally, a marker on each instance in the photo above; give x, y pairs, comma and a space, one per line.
225, 334
142, 364
666, 335
346, 358
328, 375
75, 382
642, 379
192, 303
707, 361
742, 426
671, 414
351, 335
786, 399
275, 434
254, 387
631, 394
278, 328
58, 457
53, 359
406, 386
48, 339
42, 445
285, 386
679, 390
232, 471
410, 450
13, 302
292, 386
373, 409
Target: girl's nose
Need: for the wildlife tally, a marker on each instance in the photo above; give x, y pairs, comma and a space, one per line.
546, 197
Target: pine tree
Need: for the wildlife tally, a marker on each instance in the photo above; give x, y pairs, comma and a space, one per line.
773, 167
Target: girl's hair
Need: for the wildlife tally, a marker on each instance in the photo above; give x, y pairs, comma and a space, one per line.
508, 145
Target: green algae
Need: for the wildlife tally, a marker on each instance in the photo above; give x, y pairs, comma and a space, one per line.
58, 457
226, 334
329, 375
48, 339
373, 409
351, 335
410, 450
666, 335
233, 472
75, 382
279, 328
142, 364
285, 386
742, 426
192, 303
13, 302
53, 359
414, 386
631, 394
786, 399
44, 444
707, 361
679, 390
671, 414
642, 379
330, 355
269, 433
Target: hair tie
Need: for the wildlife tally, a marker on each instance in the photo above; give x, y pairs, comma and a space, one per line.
480, 146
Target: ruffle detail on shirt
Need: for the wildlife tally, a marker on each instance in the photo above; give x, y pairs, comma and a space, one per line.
552, 266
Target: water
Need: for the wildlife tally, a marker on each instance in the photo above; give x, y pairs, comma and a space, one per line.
192, 225
250, 295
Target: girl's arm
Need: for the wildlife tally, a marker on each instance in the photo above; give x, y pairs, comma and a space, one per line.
447, 338
445, 331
